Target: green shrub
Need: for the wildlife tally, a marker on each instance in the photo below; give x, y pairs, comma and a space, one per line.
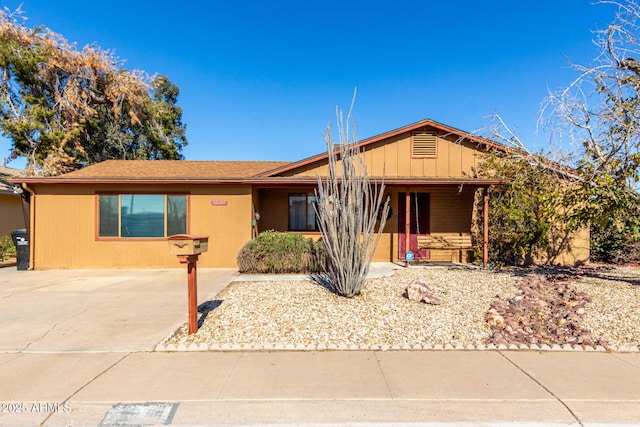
7, 249
617, 243
281, 252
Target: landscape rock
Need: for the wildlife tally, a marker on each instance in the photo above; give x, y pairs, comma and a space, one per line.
419, 291
547, 310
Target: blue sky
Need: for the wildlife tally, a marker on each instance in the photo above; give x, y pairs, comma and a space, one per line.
260, 80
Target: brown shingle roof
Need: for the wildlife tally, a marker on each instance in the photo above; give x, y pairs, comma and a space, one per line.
6, 173
5, 187
11, 172
172, 169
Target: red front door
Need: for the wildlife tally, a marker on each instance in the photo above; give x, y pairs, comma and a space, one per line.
419, 223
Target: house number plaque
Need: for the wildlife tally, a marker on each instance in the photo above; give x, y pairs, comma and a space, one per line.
218, 202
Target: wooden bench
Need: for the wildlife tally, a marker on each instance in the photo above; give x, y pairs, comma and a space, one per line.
445, 242
454, 245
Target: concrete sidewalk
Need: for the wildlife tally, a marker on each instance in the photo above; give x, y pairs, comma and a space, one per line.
350, 387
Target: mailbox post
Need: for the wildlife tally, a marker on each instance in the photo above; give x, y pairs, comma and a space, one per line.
188, 248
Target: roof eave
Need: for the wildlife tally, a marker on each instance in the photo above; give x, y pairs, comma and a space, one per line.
146, 181
265, 181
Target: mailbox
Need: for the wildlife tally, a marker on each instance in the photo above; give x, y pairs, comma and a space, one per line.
188, 248
188, 244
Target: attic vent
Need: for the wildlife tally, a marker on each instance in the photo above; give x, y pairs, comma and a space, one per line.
424, 145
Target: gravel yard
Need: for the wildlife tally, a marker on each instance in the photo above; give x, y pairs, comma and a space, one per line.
614, 313
303, 314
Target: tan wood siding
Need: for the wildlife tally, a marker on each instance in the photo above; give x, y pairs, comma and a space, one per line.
66, 228
228, 227
390, 159
11, 215
572, 249
455, 157
451, 211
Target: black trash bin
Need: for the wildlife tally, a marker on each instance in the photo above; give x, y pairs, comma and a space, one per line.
21, 242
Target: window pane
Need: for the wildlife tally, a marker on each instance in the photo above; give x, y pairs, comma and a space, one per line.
176, 215
311, 212
108, 216
297, 211
142, 215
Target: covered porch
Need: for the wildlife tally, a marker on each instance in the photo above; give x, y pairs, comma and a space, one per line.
453, 214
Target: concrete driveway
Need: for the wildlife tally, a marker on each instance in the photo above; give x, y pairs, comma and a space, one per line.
97, 310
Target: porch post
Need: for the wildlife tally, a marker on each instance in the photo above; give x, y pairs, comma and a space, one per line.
407, 224
485, 227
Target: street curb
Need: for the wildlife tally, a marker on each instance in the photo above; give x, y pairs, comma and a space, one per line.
171, 347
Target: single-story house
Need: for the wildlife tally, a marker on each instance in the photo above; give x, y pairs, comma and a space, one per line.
118, 213
14, 209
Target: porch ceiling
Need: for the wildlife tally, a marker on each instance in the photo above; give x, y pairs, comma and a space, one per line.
391, 182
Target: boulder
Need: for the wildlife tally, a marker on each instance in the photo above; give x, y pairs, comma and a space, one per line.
419, 291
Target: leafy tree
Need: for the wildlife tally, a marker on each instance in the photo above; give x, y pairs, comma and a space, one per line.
64, 107
531, 214
595, 121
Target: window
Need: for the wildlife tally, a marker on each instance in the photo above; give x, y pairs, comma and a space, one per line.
141, 215
302, 213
